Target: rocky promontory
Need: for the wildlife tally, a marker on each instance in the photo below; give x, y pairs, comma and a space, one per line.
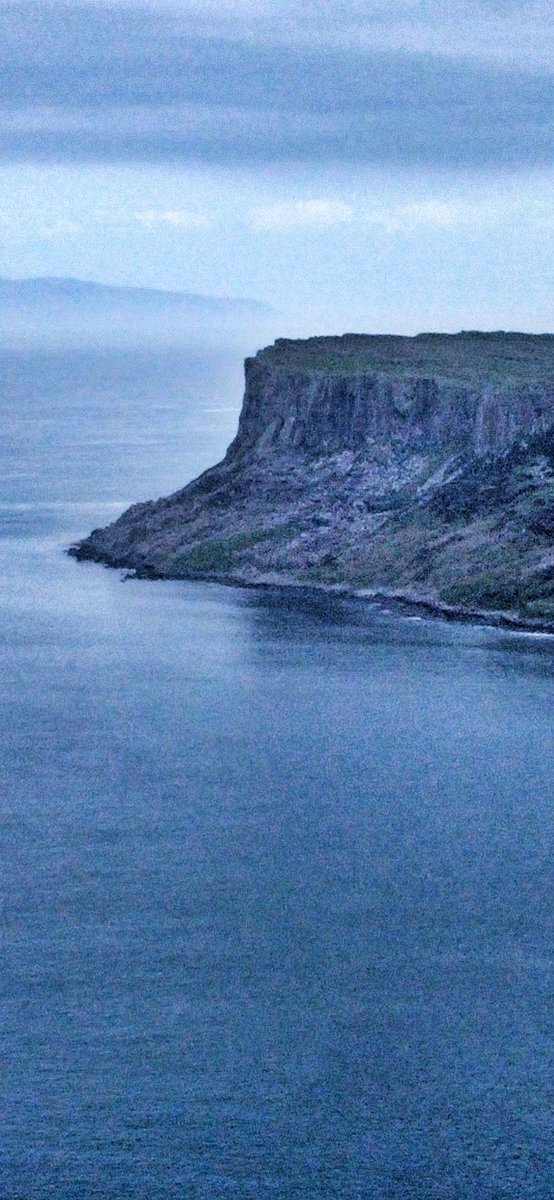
418, 466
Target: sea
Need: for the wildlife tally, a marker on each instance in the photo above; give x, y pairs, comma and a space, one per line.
276, 866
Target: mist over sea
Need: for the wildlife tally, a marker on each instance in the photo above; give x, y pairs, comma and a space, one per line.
277, 890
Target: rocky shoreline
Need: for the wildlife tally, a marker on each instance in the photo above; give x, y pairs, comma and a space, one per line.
398, 601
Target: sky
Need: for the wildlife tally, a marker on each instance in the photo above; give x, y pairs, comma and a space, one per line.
379, 166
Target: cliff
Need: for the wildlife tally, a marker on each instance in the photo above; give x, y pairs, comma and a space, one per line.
475, 393
421, 465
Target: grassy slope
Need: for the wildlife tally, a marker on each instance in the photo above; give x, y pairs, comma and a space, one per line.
502, 358
485, 539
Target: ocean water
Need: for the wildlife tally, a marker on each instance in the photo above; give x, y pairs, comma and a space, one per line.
277, 884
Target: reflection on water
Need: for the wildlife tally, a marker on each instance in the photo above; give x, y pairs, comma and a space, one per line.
277, 885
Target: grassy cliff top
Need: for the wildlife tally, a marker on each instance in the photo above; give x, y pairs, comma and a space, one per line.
470, 357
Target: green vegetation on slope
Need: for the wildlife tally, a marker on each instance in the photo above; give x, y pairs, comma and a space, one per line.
502, 358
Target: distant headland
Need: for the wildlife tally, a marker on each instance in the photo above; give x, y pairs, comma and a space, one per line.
417, 467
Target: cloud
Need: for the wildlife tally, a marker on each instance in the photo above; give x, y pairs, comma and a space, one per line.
53, 229
56, 230
518, 31
310, 214
89, 83
404, 218
470, 211
502, 31
176, 217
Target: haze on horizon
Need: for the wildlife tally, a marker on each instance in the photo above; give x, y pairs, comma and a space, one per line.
356, 166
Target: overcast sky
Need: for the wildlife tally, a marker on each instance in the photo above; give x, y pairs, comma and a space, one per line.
368, 166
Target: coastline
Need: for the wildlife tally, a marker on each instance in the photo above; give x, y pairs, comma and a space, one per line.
420, 602
407, 471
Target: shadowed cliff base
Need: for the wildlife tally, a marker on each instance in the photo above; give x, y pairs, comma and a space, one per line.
421, 467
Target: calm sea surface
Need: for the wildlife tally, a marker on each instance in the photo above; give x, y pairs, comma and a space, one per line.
277, 882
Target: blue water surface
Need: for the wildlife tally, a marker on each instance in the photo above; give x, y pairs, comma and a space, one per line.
277, 887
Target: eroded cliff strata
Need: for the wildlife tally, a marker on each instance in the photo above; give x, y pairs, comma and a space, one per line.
422, 465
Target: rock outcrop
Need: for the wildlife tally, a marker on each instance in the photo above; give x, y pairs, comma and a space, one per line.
418, 465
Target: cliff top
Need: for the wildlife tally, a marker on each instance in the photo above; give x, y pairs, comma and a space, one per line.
470, 356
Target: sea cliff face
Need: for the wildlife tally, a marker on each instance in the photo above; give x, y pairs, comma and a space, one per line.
417, 409
418, 465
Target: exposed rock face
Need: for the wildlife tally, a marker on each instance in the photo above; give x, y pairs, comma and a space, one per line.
478, 399
421, 464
